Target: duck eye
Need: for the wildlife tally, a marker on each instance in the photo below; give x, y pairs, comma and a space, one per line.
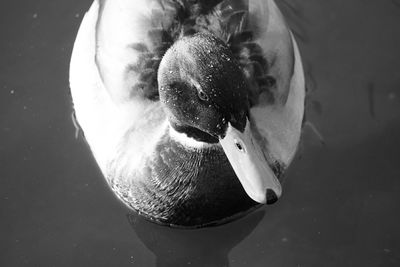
203, 96
239, 146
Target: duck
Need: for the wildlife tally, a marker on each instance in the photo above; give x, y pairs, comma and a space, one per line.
192, 109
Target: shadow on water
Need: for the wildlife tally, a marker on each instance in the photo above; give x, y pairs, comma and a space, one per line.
199, 247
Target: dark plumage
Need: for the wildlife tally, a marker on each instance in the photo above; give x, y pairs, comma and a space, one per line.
184, 185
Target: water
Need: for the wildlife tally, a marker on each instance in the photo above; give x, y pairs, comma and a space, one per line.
341, 201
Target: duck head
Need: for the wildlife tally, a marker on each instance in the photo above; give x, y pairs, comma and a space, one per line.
205, 96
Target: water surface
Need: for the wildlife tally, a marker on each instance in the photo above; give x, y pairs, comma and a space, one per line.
341, 202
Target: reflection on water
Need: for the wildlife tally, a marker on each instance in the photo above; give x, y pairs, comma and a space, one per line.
200, 247
341, 201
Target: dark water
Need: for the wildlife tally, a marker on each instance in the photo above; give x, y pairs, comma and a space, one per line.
341, 202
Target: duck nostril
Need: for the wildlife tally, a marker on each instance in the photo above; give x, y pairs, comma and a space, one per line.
271, 197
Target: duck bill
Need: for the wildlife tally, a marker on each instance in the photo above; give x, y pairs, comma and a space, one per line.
250, 165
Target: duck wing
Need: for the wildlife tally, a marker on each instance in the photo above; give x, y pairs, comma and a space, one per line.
278, 98
130, 42
115, 105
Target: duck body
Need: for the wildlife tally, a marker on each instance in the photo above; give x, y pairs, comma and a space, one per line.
192, 109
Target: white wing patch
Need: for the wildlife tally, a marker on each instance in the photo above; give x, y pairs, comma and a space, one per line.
107, 123
122, 23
